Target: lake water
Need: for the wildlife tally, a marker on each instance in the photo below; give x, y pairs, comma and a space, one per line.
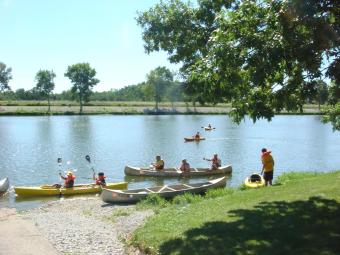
30, 146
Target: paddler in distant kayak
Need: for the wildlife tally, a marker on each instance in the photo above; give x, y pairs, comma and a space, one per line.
267, 166
215, 162
197, 136
69, 179
159, 164
100, 180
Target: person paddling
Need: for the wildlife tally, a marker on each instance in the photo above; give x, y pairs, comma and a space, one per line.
159, 164
215, 162
185, 167
100, 180
197, 136
69, 179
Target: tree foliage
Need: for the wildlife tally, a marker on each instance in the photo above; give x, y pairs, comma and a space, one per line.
45, 84
159, 80
5, 76
262, 56
321, 92
83, 78
332, 115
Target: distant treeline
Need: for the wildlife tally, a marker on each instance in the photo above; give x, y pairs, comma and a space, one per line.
140, 92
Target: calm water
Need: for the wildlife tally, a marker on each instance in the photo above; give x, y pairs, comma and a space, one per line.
30, 146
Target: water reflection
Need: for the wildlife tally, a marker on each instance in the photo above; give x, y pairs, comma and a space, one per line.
30, 146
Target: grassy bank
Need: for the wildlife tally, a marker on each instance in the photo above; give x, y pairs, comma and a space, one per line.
299, 215
103, 107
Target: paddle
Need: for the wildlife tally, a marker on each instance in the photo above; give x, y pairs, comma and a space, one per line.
209, 127
60, 161
88, 159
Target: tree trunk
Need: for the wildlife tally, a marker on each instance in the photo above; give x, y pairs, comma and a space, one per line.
81, 104
49, 104
156, 105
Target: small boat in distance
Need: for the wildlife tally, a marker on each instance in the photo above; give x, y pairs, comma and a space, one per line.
193, 139
4, 185
254, 181
176, 172
166, 191
49, 190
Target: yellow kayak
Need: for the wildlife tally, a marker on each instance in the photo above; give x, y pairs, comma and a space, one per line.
48, 190
254, 181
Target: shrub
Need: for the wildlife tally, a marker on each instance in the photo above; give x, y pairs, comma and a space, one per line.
213, 193
186, 198
152, 201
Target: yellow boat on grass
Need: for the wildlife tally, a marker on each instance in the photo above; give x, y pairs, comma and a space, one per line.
254, 181
49, 190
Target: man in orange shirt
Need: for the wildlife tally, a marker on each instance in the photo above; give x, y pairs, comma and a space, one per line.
268, 166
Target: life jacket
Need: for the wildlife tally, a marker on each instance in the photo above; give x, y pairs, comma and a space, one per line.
185, 167
69, 182
216, 162
101, 180
160, 164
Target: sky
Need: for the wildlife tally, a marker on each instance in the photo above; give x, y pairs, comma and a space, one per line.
53, 34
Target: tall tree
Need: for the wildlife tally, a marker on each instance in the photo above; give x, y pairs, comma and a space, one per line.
159, 79
83, 78
262, 56
5, 76
321, 93
45, 84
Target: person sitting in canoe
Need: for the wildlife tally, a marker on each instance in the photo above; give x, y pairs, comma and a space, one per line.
209, 126
185, 167
100, 180
159, 164
197, 136
69, 179
215, 162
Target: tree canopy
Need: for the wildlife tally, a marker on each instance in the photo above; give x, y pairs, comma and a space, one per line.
262, 56
83, 78
5, 76
45, 84
159, 80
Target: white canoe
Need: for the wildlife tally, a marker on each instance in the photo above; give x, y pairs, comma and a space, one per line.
176, 172
4, 185
166, 191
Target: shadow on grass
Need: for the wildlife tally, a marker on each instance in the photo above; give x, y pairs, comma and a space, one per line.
300, 227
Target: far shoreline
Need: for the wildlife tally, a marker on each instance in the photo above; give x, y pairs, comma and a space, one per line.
39, 108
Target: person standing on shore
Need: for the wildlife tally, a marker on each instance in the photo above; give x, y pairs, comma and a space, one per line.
267, 166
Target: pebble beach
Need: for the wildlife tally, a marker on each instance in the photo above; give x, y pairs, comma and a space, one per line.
87, 225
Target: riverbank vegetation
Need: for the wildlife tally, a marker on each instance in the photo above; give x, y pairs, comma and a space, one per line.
299, 214
33, 108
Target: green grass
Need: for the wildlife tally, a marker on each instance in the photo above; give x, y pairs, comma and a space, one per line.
34, 108
298, 215
119, 212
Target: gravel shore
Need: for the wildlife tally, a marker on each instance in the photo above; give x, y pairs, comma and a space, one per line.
87, 225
